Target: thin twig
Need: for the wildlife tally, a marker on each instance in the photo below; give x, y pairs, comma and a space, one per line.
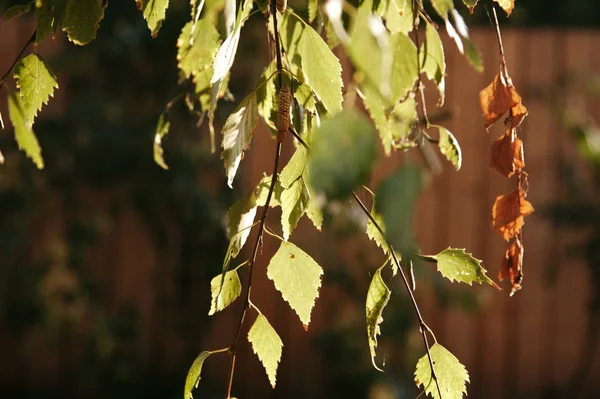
422, 326
263, 219
5, 76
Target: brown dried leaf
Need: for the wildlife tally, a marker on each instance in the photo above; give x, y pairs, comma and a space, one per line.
508, 213
496, 99
512, 265
507, 154
518, 113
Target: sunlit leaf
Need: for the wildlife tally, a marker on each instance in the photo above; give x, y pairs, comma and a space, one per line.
508, 213
193, 376
36, 83
399, 16
374, 234
162, 129
267, 345
452, 375
497, 98
224, 290
237, 134
196, 52
313, 210
378, 296
298, 277
443, 7
49, 15
313, 61
294, 201
154, 12
82, 19
312, 10
304, 95
457, 265
507, 5
294, 168
507, 154
342, 154
24, 134
432, 59
471, 4
450, 148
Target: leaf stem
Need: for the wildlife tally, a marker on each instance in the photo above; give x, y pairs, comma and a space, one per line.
422, 326
263, 218
5, 76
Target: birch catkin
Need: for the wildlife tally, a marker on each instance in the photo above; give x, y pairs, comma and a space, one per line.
281, 5
283, 112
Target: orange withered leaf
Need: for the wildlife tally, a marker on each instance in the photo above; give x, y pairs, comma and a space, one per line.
496, 99
507, 154
512, 265
508, 213
518, 113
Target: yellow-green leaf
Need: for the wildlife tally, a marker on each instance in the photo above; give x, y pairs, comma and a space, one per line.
24, 134
443, 7
312, 10
452, 375
294, 201
81, 20
267, 345
193, 376
237, 134
374, 234
224, 290
36, 83
294, 168
162, 129
154, 12
432, 59
196, 51
457, 265
298, 277
450, 148
471, 4
399, 16
378, 296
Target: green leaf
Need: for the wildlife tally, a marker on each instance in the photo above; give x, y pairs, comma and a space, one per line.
81, 20
450, 148
49, 15
240, 216
193, 375
226, 54
313, 61
457, 265
154, 12
224, 290
342, 154
332, 40
432, 59
374, 234
294, 201
393, 125
267, 98
312, 10
377, 297
313, 210
237, 134
294, 168
267, 345
298, 277
396, 198
304, 95
473, 55
443, 7
24, 134
162, 129
196, 52
399, 16
452, 375
404, 69
36, 83
17, 10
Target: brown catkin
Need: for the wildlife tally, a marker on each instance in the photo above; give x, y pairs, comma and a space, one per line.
283, 113
281, 5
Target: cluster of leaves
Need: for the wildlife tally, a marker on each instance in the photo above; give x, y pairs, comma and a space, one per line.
336, 147
507, 157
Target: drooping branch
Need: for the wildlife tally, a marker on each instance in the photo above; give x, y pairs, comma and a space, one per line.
422, 325
263, 218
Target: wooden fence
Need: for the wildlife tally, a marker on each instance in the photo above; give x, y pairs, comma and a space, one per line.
526, 346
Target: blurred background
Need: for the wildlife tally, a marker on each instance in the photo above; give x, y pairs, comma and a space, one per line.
106, 259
